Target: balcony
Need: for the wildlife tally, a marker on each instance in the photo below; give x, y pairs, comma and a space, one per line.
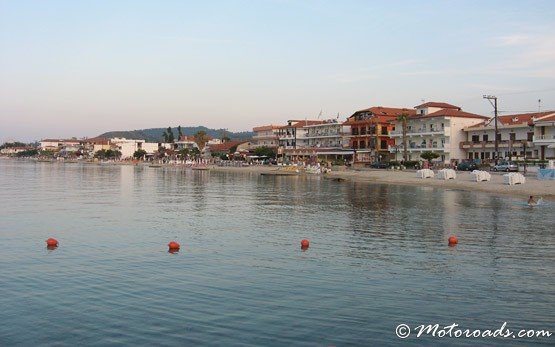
421, 132
491, 144
544, 139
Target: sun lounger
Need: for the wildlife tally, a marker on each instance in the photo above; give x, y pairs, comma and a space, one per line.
514, 178
446, 174
425, 173
481, 176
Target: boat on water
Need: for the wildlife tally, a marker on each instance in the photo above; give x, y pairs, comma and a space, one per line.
200, 168
155, 165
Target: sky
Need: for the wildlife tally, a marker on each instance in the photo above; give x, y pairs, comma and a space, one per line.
81, 68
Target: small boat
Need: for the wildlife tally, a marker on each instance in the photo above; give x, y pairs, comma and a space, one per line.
200, 168
155, 165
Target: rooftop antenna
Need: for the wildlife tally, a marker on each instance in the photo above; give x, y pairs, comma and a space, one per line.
320, 114
539, 105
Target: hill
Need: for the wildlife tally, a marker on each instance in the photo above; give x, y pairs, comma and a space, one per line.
157, 134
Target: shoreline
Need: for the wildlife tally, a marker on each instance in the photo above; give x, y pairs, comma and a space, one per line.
533, 186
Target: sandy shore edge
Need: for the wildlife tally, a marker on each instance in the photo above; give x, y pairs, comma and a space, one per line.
533, 186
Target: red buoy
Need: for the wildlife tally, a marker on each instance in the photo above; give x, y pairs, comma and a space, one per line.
173, 246
453, 240
305, 244
52, 242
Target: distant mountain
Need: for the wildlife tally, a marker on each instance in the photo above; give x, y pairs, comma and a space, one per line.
157, 134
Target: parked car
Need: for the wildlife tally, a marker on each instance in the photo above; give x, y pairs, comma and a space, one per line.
379, 165
505, 166
467, 166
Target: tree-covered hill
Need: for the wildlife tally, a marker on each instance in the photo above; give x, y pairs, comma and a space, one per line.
157, 134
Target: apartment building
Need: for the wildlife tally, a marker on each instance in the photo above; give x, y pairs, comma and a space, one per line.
370, 129
435, 127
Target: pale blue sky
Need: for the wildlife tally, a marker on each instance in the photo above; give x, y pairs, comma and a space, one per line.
79, 68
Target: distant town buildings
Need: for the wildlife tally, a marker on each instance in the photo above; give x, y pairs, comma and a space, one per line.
369, 135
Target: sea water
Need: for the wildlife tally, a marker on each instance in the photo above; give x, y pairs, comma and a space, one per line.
378, 258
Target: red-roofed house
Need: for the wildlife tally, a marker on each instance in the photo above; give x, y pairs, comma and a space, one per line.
435, 127
370, 130
519, 136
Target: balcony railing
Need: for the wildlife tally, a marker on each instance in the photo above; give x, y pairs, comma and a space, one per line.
491, 144
420, 131
544, 138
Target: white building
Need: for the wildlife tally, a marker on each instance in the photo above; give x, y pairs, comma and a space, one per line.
514, 138
266, 135
329, 134
436, 127
128, 147
293, 135
544, 135
59, 144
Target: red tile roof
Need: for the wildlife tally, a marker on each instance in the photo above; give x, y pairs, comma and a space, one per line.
301, 123
265, 128
61, 140
547, 119
97, 141
387, 111
449, 112
522, 118
438, 104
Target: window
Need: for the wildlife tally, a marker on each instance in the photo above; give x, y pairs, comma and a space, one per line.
530, 136
475, 138
383, 144
498, 137
487, 155
512, 136
485, 137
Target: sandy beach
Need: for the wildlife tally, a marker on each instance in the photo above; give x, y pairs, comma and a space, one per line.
533, 186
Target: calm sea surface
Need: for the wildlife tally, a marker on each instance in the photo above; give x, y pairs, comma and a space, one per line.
378, 258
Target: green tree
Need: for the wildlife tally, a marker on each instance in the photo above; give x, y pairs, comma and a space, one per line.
403, 118
101, 154
201, 139
429, 156
184, 153
179, 133
170, 138
12, 144
265, 151
27, 153
139, 154
195, 152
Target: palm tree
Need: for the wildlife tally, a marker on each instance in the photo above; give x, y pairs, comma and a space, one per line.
403, 118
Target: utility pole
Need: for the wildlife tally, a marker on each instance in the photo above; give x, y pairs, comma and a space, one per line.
494, 104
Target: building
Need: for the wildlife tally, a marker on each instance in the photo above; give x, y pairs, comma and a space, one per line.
266, 135
293, 135
327, 141
436, 127
328, 134
370, 129
544, 135
515, 136
57, 145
